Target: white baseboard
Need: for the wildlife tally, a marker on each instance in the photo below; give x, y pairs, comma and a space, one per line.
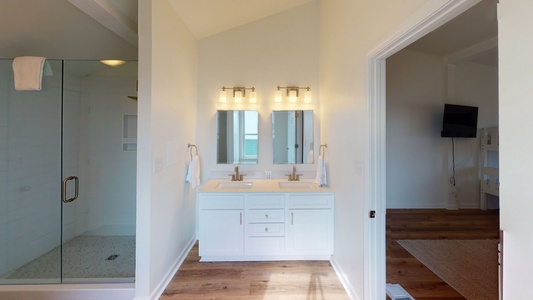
158, 291
350, 290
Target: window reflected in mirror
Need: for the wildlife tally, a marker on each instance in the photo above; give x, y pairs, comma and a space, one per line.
293, 137
237, 136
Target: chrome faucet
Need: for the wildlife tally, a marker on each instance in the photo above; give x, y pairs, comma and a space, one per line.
236, 176
293, 176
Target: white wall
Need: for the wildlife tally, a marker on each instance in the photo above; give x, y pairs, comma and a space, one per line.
349, 30
419, 161
167, 114
416, 154
516, 163
475, 85
277, 50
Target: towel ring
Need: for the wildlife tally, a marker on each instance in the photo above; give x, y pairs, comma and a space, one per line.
191, 146
322, 150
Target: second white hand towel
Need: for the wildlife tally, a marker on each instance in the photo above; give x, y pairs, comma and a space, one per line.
321, 171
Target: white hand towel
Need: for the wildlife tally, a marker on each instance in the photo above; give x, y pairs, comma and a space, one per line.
321, 175
28, 72
193, 172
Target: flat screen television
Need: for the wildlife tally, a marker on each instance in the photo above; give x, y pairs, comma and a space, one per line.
459, 121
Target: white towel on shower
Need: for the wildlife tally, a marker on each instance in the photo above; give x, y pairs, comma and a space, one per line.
321, 174
28, 72
193, 172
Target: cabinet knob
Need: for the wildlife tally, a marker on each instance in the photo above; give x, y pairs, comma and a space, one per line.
266, 216
266, 229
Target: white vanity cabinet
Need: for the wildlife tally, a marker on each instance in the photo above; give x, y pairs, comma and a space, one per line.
265, 226
221, 225
310, 224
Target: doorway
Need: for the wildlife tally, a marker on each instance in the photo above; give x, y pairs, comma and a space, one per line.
428, 18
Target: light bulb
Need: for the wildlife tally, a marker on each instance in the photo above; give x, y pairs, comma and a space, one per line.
238, 97
278, 97
253, 97
223, 98
292, 96
307, 97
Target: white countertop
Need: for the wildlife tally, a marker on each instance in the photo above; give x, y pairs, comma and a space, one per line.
263, 186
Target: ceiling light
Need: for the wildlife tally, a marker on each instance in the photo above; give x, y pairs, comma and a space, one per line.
113, 62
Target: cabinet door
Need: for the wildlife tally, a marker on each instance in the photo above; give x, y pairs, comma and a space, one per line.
310, 231
221, 232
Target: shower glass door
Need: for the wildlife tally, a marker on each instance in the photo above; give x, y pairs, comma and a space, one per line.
99, 172
67, 175
30, 170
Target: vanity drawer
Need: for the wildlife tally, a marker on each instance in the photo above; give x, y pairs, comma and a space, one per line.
266, 216
311, 201
222, 202
276, 229
268, 245
265, 201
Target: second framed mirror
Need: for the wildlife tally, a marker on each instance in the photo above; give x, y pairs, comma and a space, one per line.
293, 137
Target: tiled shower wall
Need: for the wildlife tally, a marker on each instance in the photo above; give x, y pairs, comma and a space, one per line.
108, 173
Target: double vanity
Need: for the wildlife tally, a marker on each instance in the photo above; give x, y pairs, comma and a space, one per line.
267, 219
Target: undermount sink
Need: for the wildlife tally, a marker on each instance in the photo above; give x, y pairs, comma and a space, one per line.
296, 185
235, 185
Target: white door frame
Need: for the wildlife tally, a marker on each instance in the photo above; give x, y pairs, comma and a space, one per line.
431, 15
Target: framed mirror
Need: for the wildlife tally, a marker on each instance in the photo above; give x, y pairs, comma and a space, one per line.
237, 136
293, 137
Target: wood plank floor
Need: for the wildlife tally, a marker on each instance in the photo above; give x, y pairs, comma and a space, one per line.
276, 280
431, 224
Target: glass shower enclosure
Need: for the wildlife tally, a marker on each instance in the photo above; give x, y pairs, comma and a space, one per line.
67, 175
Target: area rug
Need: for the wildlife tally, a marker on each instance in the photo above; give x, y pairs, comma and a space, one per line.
469, 266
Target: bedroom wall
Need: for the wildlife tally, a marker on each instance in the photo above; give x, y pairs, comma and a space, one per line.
416, 165
416, 93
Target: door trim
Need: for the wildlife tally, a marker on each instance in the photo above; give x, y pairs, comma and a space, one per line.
427, 18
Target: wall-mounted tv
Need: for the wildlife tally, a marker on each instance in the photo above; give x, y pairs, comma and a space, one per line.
459, 121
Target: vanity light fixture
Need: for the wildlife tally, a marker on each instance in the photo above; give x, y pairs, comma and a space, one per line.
239, 92
293, 92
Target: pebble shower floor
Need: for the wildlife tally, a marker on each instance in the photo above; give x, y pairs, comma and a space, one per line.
85, 256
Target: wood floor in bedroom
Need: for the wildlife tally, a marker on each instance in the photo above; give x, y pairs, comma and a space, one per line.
431, 224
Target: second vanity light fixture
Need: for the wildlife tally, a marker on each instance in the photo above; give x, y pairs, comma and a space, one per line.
292, 93
239, 92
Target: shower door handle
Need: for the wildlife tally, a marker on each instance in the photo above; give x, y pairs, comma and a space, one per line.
64, 189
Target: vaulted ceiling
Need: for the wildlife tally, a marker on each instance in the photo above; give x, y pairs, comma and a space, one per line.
208, 17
